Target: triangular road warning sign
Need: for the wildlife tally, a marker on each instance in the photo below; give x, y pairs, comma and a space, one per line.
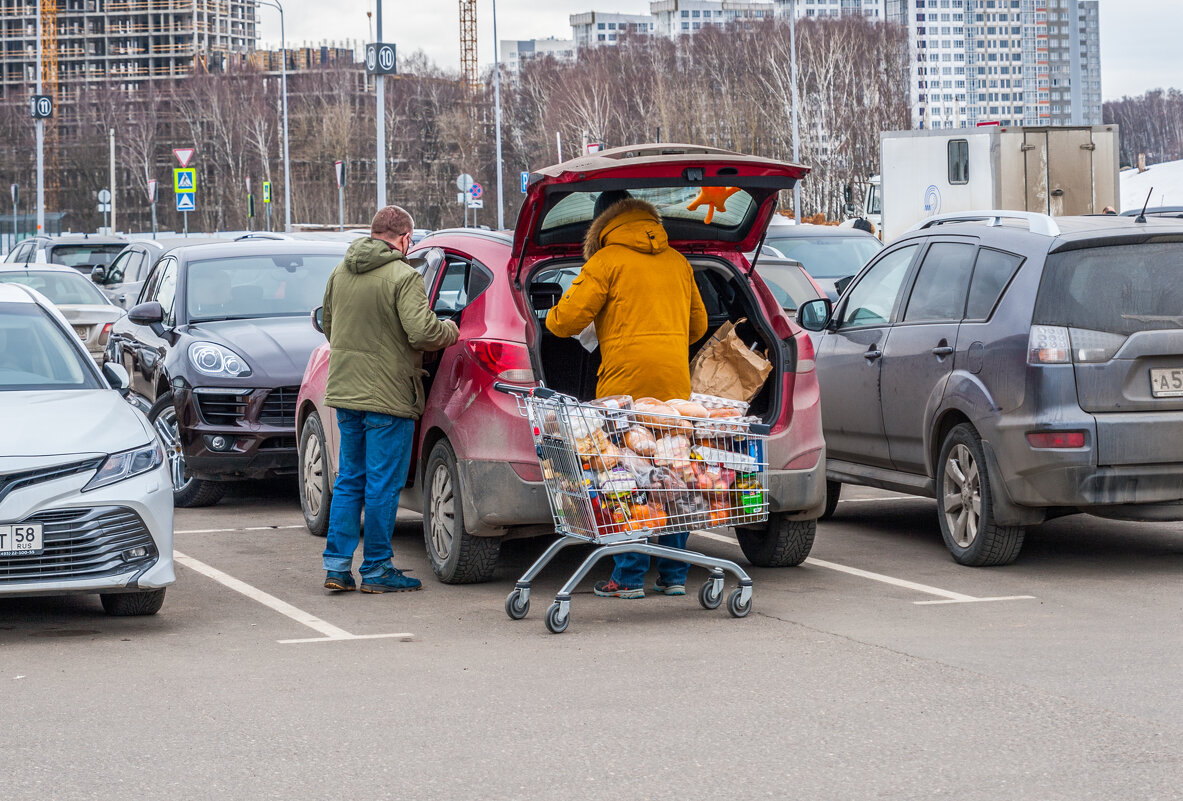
183, 154
185, 202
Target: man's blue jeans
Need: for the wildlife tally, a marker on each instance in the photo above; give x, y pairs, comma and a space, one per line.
631, 568
371, 471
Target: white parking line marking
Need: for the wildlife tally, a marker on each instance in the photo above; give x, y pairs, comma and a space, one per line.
948, 596
218, 530
330, 632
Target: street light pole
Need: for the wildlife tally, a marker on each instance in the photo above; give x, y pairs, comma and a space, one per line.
283, 82
40, 137
796, 129
380, 88
497, 118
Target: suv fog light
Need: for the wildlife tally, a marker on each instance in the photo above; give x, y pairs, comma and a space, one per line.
131, 554
1055, 439
217, 442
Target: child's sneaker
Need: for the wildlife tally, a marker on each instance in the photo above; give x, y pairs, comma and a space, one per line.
610, 589
669, 589
392, 580
339, 582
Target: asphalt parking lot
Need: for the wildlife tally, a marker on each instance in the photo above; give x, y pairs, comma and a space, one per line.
879, 669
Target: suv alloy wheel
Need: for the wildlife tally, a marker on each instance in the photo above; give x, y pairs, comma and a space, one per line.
966, 510
456, 556
188, 492
316, 491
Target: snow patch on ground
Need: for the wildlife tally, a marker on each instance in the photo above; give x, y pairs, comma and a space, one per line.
1166, 180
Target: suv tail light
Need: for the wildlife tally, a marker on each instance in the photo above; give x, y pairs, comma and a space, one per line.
508, 361
805, 355
1053, 344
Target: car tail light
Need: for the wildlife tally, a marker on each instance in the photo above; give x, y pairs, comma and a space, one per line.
1094, 346
805, 354
105, 334
508, 361
1055, 439
1049, 344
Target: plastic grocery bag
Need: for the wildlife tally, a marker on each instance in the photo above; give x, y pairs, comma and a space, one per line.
728, 368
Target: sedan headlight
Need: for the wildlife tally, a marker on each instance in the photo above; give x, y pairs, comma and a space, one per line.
124, 465
217, 361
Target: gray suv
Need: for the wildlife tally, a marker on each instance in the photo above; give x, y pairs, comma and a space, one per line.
1015, 367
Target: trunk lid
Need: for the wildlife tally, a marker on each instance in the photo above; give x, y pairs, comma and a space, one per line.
680, 180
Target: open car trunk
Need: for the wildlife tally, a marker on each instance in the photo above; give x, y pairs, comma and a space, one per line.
565, 365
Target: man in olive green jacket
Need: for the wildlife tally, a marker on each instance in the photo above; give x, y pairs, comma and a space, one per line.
378, 323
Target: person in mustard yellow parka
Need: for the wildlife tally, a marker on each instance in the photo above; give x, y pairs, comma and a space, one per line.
641, 295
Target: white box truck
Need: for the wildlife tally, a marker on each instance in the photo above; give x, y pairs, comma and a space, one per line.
1056, 171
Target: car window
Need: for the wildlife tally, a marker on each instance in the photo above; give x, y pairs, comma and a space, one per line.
251, 287
166, 291
941, 283
460, 283
62, 288
672, 202
119, 271
871, 300
992, 273
84, 255
35, 353
826, 256
788, 282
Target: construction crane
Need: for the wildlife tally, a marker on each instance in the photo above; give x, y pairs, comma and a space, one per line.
49, 86
468, 66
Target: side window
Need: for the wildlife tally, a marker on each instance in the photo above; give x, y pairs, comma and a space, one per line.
166, 290
992, 273
959, 161
148, 290
872, 299
136, 267
460, 282
119, 272
942, 283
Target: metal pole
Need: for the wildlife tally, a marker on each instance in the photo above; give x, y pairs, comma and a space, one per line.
497, 118
153, 219
559, 145
380, 86
341, 207
40, 138
796, 130
114, 225
287, 164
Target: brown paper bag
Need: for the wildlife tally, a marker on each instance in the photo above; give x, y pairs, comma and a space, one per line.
727, 368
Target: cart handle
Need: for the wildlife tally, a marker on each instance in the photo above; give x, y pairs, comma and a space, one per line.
512, 389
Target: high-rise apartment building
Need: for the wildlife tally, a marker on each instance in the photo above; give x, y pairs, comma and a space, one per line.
599, 28
871, 9
1012, 62
121, 42
673, 18
515, 52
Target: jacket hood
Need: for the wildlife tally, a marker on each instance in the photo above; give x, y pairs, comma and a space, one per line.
367, 254
630, 222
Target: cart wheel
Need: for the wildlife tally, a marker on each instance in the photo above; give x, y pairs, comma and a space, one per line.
735, 606
553, 624
516, 606
708, 596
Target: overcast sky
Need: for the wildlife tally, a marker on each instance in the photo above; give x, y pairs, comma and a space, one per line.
1141, 40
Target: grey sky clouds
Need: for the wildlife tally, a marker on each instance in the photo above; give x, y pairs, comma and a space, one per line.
1141, 40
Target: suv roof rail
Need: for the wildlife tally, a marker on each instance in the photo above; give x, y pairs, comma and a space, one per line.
1036, 223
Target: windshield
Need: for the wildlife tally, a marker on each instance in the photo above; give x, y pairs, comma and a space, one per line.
1121, 289
674, 203
62, 289
85, 255
242, 287
827, 256
789, 284
35, 353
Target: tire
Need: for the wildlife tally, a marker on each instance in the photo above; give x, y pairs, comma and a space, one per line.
553, 624
316, 489
456, 556
966, 504
129, 604
707, 596
735, 607
833, 491
784, 543
516, 606
188, 492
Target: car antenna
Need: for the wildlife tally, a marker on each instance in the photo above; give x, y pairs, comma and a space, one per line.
1141, 218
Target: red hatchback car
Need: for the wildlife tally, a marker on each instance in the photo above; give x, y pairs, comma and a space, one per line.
475, 475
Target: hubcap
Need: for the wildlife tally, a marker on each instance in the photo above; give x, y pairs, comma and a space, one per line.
962, 494
443, 520
313, 475
170, 435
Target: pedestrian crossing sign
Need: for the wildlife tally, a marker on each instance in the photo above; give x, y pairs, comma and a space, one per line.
185, 202
266, 191
184, 180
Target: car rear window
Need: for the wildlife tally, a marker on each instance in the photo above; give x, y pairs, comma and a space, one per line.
672, 202
826, 256
1121, 289
61, 288
36, 354
83, 255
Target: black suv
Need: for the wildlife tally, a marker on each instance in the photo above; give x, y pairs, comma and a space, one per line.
216, 347
1015, 367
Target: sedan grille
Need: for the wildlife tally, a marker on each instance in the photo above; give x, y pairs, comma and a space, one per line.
13, 481
82, 544
279, 407
222, 408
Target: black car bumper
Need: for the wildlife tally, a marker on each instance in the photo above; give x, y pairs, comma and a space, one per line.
238, 433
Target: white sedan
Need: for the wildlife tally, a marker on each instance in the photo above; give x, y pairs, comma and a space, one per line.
85, 494
90, 313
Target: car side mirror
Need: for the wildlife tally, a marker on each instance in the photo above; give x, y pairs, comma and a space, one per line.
841, 284
150, 314
814, 315
318, 318
98, 274
117, 377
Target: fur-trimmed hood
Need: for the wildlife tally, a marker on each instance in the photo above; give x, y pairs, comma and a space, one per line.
631, 222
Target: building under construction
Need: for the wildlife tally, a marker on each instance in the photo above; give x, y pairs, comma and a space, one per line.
120, 42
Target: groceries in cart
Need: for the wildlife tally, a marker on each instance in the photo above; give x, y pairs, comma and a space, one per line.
617, 466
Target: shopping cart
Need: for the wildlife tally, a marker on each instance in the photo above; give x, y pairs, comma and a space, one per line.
616, 477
